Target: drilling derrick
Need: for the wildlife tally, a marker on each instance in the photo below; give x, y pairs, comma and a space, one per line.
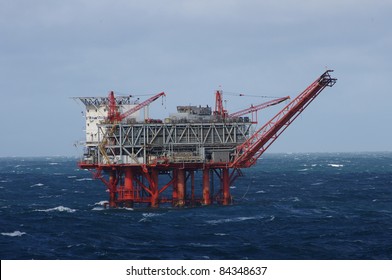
153, 162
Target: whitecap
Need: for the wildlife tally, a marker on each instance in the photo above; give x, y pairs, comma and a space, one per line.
45, 196
233, 220
79, 192
317, 184
102, 203
37, 185
13, 234
146, 216
233, 187
200, 245
272, 218
260, 192
71, 177
126, 208
53, 163
84, 179
220, 234
335, 165
59, 209
98, 209
150, 215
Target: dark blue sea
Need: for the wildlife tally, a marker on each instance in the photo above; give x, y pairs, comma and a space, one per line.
288, 206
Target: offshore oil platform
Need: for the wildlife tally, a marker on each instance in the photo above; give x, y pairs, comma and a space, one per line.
155, 162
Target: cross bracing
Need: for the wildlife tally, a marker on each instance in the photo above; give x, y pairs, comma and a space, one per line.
143, 143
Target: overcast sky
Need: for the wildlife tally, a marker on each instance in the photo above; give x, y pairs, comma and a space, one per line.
53, 50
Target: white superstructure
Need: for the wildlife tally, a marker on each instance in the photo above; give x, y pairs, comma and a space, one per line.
97, 111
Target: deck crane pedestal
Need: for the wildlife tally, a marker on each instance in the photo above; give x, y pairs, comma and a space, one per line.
134, 158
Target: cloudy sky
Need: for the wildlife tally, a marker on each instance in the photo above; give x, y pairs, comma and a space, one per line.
53, 50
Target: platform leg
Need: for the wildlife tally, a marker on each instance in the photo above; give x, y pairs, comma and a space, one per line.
112, 189
206, 187
226, 186
128, 188
181, 187
154, 188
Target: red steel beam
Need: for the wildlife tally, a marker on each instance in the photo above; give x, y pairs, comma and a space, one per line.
248, 152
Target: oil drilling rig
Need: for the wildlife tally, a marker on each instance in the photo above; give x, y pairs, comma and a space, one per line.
155, 162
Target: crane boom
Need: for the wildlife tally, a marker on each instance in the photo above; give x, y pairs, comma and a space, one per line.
141, 105
113, 113
114, 118
248, 152
219, 110
256, 108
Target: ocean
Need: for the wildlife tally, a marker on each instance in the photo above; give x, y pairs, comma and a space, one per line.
288, 206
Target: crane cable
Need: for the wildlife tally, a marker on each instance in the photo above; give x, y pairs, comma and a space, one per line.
248, 95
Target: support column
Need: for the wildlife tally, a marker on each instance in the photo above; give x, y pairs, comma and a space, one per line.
181, 187
226, 186
206, 187
112, 189
128, 187
175, 188
192, 173
154, 188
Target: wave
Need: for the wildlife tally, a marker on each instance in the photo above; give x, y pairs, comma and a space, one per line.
146, 216
102, 203
59, 209
84, 179
37, 185
197, 244
335, 165
233, 220
16, 233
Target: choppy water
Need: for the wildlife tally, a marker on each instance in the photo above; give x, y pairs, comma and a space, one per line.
289, 206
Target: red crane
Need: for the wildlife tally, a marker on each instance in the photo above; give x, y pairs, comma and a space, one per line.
219, 110
248, 152
115, 116
113, 113
256, 108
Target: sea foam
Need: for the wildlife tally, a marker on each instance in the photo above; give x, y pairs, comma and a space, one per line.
335, 165
59, 209
16, 233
